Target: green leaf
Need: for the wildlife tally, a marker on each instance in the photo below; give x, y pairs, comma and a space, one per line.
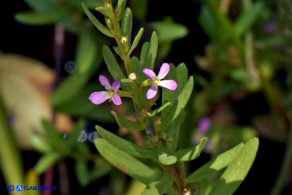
167, 159
153, 49
46, 161
112, 64
144, 56
136, 40
70, 87
180, 74
212, 19
85, 175
105, 10
163, 184
127, 24
209, 24
191, 153
82, 173
220, 162
40, 143
237, 170
71, 141
38, 18
169, 31
150, 191
96, 23
247, 18
160, 109
86, 53
174, 132
173, 112
92, 4
125, 145
80, 106
52, 133
120, 8
42, 6
126, 163
136, 66
99, 170
132, 125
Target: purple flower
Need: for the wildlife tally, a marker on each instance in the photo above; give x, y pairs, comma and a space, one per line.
111, 93
270, 28
157, 80
204, 124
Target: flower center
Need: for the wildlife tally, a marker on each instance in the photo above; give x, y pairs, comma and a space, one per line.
156, 81
111, 93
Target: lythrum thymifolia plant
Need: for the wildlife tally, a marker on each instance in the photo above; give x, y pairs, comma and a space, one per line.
159, 99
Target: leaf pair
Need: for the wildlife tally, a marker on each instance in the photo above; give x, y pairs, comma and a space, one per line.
237, 162
121, 153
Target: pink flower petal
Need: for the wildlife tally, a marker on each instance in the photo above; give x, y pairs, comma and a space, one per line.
149, 73
168, 84
105, 82
117, 99
116, 85
99, 97
163, 70
152, 92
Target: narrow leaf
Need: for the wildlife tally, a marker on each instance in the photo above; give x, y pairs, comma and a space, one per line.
125, 123
52, 133
125, 145
180, 74
191, 153
70, 87
247, 18
150, 191
163, 184
160, 109
86, 53
220, 162
136, 40
46, 161
237, 170
153, 49
82, 172
127, 24
38, 18
40, 143
179, 105
42, 6
112, 64
169, 31
144, 56
120, 8
126, 163
96, 23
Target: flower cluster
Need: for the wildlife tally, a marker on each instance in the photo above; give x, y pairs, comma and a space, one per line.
111, 94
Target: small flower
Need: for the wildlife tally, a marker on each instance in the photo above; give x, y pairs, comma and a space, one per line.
204, 125
157, 80
111, 93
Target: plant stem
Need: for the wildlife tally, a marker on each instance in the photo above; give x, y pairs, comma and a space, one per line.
9, 152
282, 178
286, 27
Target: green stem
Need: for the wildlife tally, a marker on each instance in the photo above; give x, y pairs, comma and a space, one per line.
9, 153
282, 177
118, 37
